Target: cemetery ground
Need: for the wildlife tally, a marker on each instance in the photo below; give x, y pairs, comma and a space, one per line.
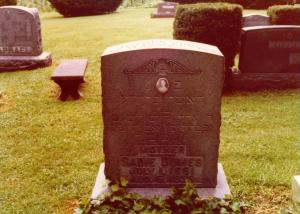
50, 150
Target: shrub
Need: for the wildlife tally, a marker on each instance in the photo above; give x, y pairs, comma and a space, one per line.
39, 4
185, 200
284, 15
251, 4
217, 24
69, 8
8, 2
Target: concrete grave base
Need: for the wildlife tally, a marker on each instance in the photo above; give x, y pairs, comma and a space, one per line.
296, 188
13, 63
259, 81
219, 191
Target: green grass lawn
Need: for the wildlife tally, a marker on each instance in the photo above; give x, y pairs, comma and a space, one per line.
50, 151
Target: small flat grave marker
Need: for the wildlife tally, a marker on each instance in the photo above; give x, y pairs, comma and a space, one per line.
20, 39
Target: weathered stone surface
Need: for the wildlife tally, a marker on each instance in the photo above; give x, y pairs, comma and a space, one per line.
269, 58
161, 112
255, 20
220, 191
20, 39
165, 10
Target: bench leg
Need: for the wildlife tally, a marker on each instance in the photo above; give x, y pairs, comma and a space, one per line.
69, 89
63, 95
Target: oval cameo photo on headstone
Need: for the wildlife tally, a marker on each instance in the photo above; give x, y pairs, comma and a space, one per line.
162, 85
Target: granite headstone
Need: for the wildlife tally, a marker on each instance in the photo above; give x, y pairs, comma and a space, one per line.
255, 20
20, 39
269, 57
161, 112
165, 10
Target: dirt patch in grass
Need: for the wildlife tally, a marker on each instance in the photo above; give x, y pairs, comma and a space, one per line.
69, 205
271, 200
5, 103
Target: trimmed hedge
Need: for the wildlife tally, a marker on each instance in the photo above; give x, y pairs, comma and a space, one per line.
8, 2
251, 4
284, 15
70, 8
217, 24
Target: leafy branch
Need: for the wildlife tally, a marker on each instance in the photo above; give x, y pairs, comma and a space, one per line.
181, 201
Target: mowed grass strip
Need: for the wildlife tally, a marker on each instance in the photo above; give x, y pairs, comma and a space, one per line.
50, 151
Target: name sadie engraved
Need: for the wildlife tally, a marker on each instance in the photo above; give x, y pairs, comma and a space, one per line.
161, 169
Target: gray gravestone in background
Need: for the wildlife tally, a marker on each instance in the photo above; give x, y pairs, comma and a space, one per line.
165, 10
161, 112
269, 57
255, 20
20, 39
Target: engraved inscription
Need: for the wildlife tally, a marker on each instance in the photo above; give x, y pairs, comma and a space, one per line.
284, 44
170, 7
15, 49
157, 101
159, 140
166, 124
294, 59
162, 169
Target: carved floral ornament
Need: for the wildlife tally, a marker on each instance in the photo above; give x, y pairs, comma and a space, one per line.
162, 67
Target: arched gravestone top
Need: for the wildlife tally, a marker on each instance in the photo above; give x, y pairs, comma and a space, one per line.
161, 112
20, 31
163, 44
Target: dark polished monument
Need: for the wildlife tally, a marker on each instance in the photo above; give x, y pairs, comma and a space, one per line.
269, 58
20, 39
161, 112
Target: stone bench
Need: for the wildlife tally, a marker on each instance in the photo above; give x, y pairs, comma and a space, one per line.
69, 75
